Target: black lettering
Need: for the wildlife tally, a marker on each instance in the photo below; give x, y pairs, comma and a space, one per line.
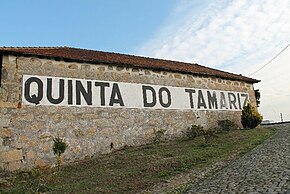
116, 96
232, 100
102, 90
145, 99
80, 90
223, 102
60, 92
200, 100
245, 99
239, 101
69, 92
165, 105
33, 98
212, 100
190, 92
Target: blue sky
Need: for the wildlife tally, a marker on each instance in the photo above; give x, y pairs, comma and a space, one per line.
239, 36
110, 25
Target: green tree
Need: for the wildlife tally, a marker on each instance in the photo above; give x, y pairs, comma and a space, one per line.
250, 118
58, 148
258, 96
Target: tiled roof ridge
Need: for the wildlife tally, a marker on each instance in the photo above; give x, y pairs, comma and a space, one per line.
89, 55
150, 58
153, 58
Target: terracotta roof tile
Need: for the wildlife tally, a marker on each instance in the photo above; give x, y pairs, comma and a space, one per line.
91, 56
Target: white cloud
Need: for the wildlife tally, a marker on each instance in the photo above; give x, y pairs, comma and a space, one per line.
239, 36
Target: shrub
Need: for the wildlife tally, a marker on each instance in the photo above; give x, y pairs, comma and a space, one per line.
208, 135
27, 181
159, 134
194, 131
250, 118
58, 148
226, 125
198, 130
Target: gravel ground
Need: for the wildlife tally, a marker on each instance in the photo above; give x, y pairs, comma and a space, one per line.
266, 169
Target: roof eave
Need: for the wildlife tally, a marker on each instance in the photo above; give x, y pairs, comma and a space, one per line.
19, 53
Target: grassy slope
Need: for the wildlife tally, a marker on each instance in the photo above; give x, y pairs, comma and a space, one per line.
134, 169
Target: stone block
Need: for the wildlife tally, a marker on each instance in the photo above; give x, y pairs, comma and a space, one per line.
1, 167
110, 68
125, 114
6, 133
4, 122
45, 135
149, 134
177, 76
23, 138
36, 62
15, 165
101, 68
78, 133
3, 148
105, 132
73, 66
9, 156
76, 149
85, 67
119, 68
45, 147
61, 65
4, 73
25, 117
3, 94
41, 163
8, 105
147, 72
91, 131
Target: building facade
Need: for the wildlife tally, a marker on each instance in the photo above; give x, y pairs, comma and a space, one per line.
99, 102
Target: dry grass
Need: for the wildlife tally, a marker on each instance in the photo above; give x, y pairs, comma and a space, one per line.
134, 169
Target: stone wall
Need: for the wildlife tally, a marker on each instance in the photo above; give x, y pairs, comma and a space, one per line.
26, 131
